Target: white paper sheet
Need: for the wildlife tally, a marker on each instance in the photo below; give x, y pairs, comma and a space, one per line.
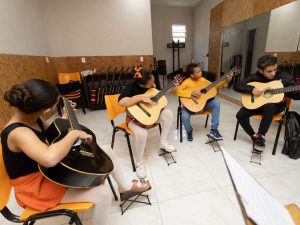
259, 205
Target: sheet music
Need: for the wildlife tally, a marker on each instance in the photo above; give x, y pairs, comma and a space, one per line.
259, 205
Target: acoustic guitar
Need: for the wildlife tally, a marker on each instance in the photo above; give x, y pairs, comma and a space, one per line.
86, 165
208, 90
273, 92
147, 114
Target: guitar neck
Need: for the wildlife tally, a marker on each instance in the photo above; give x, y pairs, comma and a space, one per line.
71, 114
286, 89
162, 92
215, 83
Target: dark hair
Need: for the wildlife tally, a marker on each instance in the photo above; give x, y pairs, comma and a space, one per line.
32, 95
190, 68
144, 77
265, 61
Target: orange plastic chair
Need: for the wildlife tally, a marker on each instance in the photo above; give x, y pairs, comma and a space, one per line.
65, 78
280, 117
113, 111
206, 113
30, 216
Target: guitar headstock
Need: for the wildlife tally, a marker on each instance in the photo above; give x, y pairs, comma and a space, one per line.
178, 79
235, 70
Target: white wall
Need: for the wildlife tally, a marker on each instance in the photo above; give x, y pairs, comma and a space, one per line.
284, 28
201, 30
98, 27
162, 19
21, 28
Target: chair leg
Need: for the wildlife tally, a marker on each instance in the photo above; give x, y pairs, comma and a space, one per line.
206, 122
277, 136
82, 104
75, 219
236, 130
180, 124
112, 188
130, 152
159, 127
178, 111
113, 138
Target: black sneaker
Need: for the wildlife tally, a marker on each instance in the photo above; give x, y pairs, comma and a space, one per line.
190, 136
215, 134
259, 142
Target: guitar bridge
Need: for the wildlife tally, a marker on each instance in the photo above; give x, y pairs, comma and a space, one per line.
144, 110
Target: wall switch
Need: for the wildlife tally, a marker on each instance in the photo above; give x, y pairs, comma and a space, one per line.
83, 60
142, 59
47, 60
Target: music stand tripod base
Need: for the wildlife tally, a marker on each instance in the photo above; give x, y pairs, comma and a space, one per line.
134, 200
258, 153
212, 141
164, 153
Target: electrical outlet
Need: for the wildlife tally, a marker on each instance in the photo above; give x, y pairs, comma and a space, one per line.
47, 60
142, 59
83, 60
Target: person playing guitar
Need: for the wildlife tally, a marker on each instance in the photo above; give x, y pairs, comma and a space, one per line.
24, 147
191, 88
132, 95
267, 71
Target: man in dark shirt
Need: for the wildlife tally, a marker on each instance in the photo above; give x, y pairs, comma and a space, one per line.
267, 71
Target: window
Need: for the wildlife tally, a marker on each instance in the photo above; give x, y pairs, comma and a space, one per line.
179, 33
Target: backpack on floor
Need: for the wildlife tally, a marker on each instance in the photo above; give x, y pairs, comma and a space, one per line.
292, 136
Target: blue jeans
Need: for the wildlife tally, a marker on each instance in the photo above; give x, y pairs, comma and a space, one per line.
214, 105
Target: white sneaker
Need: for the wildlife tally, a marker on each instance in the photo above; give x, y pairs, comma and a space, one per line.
140, 170
167, 147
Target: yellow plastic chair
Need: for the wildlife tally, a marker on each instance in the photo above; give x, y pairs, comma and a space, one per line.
179, 118
30, 216
280, 117
113, 111
65, 78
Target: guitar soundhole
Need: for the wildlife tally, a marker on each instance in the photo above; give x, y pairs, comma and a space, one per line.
267, 93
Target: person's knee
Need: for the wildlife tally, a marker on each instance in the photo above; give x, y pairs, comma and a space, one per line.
240, 115
167, 114
185, 115
141, 134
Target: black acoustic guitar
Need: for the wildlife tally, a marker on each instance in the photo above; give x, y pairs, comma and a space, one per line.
86, 165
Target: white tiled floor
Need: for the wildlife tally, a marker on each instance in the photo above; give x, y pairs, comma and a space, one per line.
197, 190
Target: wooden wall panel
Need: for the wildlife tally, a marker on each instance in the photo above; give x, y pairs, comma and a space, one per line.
235, 11
74, 64
262, 6
287, 57
215, 39
15, 69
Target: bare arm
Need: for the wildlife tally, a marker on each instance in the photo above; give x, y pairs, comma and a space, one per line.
129, 101
26, 140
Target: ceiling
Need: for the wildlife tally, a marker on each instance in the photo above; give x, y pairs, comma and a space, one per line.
185, 3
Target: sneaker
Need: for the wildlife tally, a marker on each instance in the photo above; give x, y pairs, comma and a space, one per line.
140, 171
215, 134
190, 136
259, 142
167, 147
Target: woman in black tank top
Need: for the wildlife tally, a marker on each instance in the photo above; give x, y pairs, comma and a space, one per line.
24, 147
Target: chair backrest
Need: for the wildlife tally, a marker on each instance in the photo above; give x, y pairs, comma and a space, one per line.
112, 106
5, 185
288, 103
64, 78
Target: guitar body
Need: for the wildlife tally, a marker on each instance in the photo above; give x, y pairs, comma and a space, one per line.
85, 166
196, 104
145, 113
254, 102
